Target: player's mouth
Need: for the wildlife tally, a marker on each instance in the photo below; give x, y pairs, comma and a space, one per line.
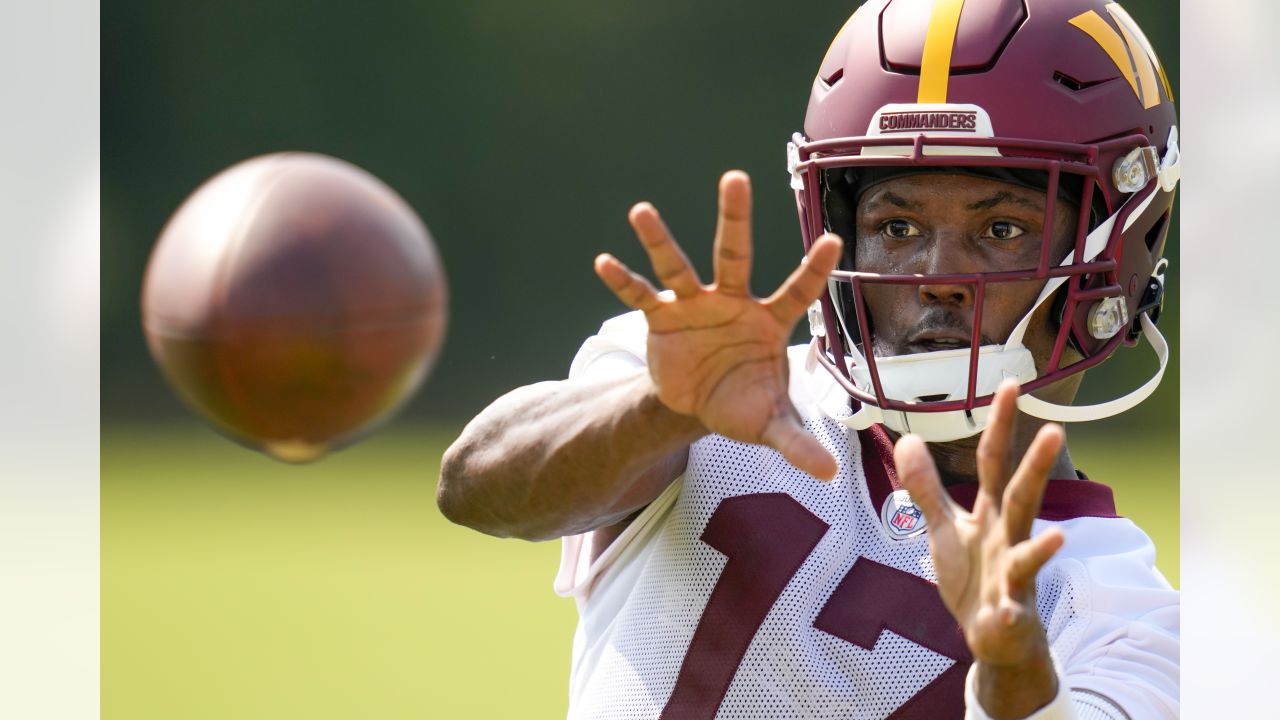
936, 340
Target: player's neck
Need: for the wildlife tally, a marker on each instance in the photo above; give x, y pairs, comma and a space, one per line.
957, 461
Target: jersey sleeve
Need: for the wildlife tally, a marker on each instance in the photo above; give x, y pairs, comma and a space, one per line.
617, 349
1113, 621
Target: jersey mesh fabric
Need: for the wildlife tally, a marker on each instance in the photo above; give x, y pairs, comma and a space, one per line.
1062, 602
790, 668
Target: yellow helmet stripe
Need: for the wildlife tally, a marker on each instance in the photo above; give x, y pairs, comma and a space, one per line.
1125, 21
1164, 80
939, 39
1146, 75
1098, 29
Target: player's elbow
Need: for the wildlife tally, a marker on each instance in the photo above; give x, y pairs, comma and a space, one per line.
455, 494
466, 495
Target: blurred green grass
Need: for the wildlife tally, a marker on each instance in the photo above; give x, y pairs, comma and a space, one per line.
237, 587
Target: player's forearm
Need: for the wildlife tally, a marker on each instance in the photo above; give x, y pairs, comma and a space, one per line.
558, 458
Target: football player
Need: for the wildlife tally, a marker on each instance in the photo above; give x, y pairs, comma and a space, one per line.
884, 522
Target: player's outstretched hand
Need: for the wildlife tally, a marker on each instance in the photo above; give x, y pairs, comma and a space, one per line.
986, 559
716, 352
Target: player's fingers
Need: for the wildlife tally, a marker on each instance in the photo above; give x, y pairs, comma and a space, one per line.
785, 434
1026, 558
1026, 489
807, 282
994, 446
669, 262
919, 476
633, 290
733, 234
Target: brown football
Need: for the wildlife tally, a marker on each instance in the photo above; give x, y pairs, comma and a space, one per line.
296, 302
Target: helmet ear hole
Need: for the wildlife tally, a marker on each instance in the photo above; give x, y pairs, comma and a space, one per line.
839, 215
1155, 236
847, 312
839, 208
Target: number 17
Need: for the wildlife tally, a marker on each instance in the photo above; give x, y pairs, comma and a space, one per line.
767, 537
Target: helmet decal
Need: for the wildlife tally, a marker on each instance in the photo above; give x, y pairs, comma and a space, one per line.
939, 40
938, 120
1138, 38
1126, 52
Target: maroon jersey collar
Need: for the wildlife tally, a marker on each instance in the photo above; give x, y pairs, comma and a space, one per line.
1063, 499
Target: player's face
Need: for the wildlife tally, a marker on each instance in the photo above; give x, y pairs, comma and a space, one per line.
938, 224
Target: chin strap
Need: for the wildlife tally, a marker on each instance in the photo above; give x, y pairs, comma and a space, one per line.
1034, 406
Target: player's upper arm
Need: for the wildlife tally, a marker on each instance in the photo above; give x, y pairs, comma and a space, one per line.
619, 348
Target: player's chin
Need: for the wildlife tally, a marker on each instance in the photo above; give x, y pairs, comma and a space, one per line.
889, 348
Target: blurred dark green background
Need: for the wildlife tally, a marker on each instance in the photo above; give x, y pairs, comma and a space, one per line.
521, 132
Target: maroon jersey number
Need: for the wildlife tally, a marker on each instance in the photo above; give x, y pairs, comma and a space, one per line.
767, 537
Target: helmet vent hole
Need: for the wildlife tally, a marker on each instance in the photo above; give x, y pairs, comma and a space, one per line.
1073, 84
834, 77
932, 398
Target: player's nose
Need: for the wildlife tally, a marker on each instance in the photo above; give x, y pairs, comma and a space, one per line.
959, 294
946, 258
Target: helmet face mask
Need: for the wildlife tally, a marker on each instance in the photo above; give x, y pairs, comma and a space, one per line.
941, 223
863, 129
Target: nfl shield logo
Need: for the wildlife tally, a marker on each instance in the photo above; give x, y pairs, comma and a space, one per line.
902, 517
906, 517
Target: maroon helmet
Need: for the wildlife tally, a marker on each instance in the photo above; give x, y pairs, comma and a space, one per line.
1065, 96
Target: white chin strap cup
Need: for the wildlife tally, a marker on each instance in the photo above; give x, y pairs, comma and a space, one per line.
1001, 362
943, 374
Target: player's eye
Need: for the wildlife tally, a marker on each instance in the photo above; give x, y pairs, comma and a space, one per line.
898, 228
1003, 230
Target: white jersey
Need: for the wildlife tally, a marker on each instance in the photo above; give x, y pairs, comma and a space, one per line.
748, 589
